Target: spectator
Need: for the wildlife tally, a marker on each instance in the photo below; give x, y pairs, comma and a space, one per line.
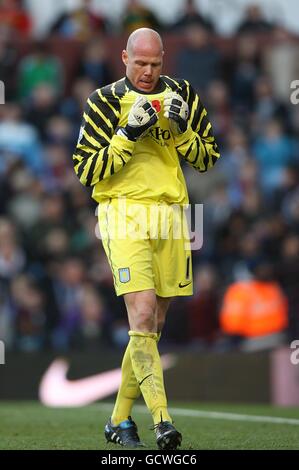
41, 105
94, 64
15, 18
254, 21
289, 184
246, 69
92, 313
225, 245
49, 236
68, 291
19, 138
290, 209
29, 312
203, 308
59, 131
12, 257
136, 16
235, 156
249, 253
288, 275
191, 16
24, 205
81, 23
281, 60
255, 309
274, 152
39, 67
199, 61
266, 105
72, 106
219, 109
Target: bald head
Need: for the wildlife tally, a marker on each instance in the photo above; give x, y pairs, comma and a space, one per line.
144, 39
143, 59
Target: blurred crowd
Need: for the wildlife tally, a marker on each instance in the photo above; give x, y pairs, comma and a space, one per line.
56, 289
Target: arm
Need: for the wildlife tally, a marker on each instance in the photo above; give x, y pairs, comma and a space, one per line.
100, 152
102, 149
196, 144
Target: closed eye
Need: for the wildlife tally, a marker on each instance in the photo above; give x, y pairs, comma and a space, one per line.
144, 64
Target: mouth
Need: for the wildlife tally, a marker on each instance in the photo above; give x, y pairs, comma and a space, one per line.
146, 84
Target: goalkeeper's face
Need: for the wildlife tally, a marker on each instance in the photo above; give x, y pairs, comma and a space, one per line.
144, 65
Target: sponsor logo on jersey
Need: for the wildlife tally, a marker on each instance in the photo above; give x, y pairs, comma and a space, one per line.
160, 135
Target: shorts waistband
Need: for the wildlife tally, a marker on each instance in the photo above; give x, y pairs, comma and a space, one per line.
141, 201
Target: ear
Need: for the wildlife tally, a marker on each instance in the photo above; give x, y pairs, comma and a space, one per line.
124, 56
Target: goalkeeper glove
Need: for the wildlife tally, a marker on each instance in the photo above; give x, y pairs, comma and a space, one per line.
141, 118
177, 111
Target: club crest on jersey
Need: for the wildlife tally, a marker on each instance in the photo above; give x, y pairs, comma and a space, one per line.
124, 275
157, 105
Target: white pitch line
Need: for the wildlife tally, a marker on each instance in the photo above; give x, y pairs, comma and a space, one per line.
218, 415
234, 416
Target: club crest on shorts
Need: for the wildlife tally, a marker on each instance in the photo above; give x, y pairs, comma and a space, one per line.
124, 275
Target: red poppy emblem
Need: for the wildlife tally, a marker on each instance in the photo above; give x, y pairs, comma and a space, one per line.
157, 105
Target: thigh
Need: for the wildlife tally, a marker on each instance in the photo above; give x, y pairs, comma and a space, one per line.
130, 258
172, 262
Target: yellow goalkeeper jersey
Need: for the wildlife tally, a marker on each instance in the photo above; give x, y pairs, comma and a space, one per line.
148, 169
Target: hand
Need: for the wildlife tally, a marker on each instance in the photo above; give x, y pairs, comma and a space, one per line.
177, 111
141, 118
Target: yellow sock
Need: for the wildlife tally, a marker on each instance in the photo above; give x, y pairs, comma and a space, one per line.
128, 391
148, 371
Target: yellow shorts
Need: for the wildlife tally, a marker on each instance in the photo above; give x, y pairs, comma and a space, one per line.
148, 247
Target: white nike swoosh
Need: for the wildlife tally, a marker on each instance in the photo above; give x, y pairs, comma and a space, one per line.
56, 390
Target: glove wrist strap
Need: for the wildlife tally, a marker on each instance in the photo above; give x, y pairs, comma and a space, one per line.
123, 131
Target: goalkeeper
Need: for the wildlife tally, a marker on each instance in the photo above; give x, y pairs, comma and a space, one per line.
133, 136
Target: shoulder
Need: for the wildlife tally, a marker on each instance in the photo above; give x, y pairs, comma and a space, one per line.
180, 86
176, 84
107, 100
114, 90
111, 93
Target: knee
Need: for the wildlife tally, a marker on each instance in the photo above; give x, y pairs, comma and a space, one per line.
142, 311
144, 317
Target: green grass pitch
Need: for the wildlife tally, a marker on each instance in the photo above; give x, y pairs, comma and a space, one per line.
29, 425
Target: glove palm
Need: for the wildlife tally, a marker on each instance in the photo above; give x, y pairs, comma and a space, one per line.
177, 111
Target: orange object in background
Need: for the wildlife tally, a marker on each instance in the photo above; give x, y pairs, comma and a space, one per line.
254, 308
16, 18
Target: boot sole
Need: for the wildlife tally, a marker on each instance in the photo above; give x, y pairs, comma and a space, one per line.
170, 441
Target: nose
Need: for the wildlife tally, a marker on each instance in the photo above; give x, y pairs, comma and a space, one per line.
148, 70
